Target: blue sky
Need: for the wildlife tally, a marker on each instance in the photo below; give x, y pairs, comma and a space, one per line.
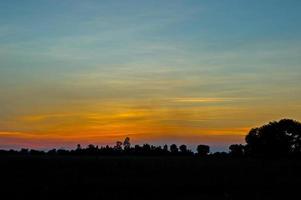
227, 65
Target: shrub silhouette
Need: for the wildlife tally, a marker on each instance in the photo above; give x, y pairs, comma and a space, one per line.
275, 139
237, 150
203, 150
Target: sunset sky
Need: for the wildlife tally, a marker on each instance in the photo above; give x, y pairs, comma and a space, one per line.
165, 71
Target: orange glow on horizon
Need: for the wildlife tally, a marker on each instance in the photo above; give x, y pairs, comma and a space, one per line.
170, 120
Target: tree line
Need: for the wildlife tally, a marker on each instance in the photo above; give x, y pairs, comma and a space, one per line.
120, 148
275, 139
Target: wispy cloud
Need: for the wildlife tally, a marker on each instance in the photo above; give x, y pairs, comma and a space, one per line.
203, 100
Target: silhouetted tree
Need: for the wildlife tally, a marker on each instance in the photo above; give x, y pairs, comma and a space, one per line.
24, 151
237, 150
126, 143
118, 146
275, 139
165, 148
52, 152
91, 146
62, 152
137, 149
78, 149
36, 152
146, 147
203, 150
174, 148
220, 155
183, 148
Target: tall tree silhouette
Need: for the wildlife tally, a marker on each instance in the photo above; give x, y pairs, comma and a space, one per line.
275, 139
127, 143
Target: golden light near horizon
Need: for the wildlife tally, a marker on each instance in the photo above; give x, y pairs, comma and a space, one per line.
159, 72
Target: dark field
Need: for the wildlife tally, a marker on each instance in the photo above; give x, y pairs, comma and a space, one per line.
55, 177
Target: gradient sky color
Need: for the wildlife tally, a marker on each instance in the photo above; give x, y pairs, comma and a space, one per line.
165, 71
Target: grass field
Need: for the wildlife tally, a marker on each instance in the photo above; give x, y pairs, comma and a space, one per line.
53, 177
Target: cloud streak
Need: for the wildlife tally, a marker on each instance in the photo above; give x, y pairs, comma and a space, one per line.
204, 100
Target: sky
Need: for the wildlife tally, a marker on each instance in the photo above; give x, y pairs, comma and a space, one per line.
161, 71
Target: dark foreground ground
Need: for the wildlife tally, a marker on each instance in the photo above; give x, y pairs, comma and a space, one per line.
56, 177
